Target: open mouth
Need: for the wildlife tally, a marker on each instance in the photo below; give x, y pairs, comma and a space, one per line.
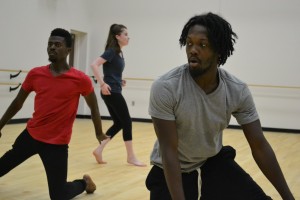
52, 53
193, 62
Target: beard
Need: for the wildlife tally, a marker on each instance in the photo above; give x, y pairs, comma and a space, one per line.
52, 59
198, 72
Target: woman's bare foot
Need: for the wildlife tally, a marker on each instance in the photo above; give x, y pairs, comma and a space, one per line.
98, 151
98, 156
136, 162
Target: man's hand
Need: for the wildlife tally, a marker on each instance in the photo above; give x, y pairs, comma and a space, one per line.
102, 137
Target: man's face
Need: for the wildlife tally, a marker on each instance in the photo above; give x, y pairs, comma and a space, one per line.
201, 57
57, 50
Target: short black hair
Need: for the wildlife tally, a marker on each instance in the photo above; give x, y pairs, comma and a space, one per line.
219, 34
63, 33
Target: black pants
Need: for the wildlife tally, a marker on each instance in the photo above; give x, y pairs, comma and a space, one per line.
222, 179
55, 161
119, 113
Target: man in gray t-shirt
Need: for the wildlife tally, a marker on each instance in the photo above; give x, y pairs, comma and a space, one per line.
190, 106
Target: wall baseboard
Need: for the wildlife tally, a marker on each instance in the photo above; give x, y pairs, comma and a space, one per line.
282, 130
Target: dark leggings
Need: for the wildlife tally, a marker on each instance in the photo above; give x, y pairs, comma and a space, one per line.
222, 179
55, 161
119, 113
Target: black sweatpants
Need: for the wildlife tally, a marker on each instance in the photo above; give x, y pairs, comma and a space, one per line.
222, 179
55, 161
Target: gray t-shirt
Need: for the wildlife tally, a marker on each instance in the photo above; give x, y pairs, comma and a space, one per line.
200, 117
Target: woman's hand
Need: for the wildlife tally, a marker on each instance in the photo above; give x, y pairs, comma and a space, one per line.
105, 89
123, 83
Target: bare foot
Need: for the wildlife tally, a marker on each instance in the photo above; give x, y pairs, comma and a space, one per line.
98, 156
136, 162
90, 185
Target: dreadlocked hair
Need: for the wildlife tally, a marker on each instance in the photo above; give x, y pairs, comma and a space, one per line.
219, 33
63, 33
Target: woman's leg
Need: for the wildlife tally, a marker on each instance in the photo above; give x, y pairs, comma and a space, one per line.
120, 114
111, 101
112, 131
131, 158
98, 151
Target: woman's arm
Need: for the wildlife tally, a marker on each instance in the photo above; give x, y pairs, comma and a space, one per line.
105, 88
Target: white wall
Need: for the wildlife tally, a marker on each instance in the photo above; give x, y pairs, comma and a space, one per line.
266, 51
25, 29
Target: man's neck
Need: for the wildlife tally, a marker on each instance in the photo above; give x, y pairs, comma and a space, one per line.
58, 69
208, 82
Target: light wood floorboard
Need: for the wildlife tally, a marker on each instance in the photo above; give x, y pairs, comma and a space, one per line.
118, 180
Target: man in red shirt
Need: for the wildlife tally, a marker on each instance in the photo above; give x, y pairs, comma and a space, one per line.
58, 87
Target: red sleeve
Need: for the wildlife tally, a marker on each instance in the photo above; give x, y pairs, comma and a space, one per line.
27, 83
87, 86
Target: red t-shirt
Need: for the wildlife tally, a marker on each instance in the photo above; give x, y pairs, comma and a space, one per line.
56, 102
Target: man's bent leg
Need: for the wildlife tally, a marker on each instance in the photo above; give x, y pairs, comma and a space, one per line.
55, 160
224, 179
23, 148
157, 185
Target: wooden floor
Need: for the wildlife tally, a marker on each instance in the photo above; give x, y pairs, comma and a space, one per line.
117, 180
